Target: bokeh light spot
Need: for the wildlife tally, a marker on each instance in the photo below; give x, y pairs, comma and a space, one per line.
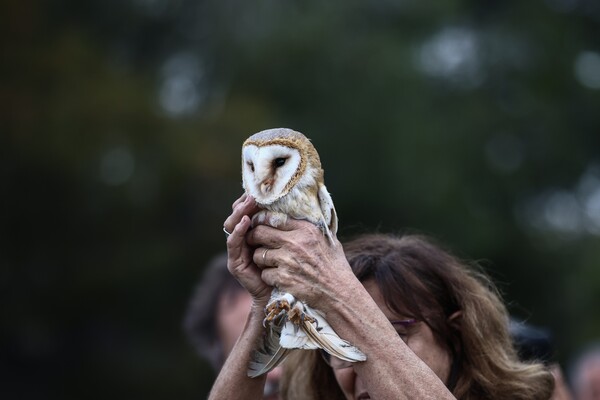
117, 166
587, 69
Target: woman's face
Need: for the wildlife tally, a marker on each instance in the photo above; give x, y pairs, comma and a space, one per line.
418, 337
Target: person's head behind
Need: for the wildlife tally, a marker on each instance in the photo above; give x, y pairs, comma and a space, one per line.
418, 279
216, 316
585, 373
204, 318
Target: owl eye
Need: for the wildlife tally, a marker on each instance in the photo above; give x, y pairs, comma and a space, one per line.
279, 162
251, 165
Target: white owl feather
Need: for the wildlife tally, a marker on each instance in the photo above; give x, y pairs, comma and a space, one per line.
281, 169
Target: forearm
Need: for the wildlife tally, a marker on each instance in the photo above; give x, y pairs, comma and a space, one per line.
392, 370
233, 382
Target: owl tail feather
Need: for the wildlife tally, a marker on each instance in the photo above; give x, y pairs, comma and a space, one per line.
271, 354
323, 336
326, 231
263, 363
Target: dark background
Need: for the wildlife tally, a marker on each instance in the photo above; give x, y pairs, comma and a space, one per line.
121, 124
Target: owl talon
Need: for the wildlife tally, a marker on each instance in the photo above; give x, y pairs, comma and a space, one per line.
275, 309
297, 316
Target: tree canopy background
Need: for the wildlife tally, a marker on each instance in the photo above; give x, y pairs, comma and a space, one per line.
121, 126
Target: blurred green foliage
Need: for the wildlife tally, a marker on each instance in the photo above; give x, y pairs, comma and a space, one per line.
121, 124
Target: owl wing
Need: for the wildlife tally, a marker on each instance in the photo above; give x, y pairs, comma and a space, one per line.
318, 335
283, 336
330, 220
271, 353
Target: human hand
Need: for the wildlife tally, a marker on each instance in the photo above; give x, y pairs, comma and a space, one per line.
298, 258
239, 253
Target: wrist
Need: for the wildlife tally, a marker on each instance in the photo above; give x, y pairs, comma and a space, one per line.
351, 309
343, 293
259, 304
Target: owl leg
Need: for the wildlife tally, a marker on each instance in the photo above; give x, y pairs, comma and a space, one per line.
275, 309
297, 315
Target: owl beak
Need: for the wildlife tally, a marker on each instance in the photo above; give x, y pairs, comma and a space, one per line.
266, 185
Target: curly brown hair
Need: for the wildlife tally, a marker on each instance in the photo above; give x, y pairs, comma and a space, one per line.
420, 278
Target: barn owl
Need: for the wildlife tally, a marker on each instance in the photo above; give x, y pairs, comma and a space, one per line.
281, 169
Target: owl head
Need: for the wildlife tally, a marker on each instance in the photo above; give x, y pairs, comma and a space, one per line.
275, 161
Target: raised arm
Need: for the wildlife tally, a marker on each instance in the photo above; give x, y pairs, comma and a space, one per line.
233, 382
303, 263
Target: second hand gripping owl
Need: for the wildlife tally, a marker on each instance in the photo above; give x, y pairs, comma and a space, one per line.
281, 169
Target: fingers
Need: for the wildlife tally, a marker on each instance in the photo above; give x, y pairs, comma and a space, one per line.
247, 206
281, 279
270, 276
278, 220
236, 241
239, 200
265, 257
291, 231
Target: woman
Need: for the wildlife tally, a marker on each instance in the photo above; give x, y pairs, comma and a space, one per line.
447, 313
422, 354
